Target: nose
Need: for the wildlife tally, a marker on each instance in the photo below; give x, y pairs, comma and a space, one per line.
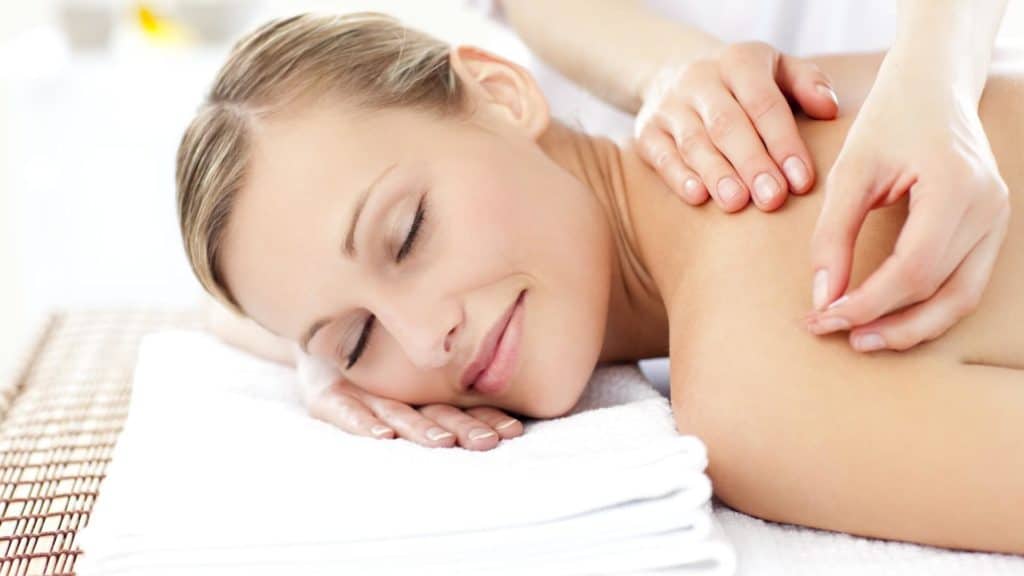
424, 328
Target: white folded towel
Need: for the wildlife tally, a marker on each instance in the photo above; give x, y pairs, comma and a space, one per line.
219, 470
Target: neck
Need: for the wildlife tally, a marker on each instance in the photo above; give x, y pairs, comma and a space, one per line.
637, 324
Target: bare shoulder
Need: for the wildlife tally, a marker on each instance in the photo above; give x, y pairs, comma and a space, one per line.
922, 445
908, 446
917, 447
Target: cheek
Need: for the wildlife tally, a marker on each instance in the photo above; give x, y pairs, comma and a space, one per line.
483, 230
389, 373
553, 229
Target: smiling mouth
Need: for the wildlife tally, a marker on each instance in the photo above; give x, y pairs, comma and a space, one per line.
471, 377
495, 378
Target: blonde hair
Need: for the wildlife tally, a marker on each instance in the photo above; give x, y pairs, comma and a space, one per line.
368, 59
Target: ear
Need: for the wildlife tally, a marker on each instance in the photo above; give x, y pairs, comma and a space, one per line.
500, 89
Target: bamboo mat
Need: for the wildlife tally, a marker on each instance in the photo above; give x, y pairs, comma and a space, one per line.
60, 415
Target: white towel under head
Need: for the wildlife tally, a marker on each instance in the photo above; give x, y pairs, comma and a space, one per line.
220, 469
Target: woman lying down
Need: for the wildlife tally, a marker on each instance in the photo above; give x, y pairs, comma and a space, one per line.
396, 206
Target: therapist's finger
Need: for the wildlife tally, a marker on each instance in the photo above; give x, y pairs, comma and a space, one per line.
769, 111
349, 414
701, 155
957, 298
731, 131
659, 150
924, 256
847, 201
811, 88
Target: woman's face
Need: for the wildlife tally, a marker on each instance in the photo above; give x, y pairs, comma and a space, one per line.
498, 217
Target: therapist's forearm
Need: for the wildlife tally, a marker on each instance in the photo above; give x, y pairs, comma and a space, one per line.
949, 42
610, 47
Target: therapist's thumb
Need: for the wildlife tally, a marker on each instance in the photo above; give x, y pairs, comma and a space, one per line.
835, 234
805, 83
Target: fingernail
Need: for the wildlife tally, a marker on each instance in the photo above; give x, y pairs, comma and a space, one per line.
436, 434
820, 288
868, 342
478, 433
691, 187
838, 302
380, 430
796, 172
765, 187
827, 91
728, 189
831, 324
506, 424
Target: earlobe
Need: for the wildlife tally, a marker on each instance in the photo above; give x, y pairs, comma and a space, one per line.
499, 87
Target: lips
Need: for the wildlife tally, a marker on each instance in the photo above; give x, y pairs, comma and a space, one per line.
485, 352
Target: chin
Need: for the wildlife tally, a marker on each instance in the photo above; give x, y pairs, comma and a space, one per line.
559, 400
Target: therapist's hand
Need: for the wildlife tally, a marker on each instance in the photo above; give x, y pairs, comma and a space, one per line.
722, 125
926, 141
330, 397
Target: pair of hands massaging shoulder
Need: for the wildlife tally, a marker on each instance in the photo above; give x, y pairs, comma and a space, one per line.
722, 127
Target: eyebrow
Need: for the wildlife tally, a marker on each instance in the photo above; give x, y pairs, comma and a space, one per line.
348, 249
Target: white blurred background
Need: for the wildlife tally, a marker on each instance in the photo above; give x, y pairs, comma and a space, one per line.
94, 95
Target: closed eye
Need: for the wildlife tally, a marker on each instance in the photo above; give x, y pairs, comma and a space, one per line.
421, 214
417, 223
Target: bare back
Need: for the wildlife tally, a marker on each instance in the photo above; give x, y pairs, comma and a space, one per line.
925, 445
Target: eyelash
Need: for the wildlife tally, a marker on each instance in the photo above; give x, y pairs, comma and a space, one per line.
417, 223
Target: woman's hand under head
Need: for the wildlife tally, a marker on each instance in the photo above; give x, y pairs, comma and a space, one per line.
456, 219
722, 125
328, 396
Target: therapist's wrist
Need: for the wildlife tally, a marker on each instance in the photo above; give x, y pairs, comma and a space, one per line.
925, 73
944, 49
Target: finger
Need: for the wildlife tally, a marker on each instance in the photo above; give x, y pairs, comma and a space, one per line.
349, 414
658, 150
924, 256
410, 423
472, 433
697, 150
732, 133
767, 108
806, 84
957, 298
505, 425
846, 204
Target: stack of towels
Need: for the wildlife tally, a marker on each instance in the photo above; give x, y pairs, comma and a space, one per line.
219, 470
